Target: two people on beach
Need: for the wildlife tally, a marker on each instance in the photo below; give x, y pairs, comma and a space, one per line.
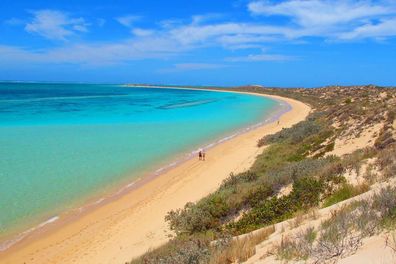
201, 154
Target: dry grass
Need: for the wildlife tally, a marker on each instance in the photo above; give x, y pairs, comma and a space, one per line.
298, 219
241, 249
341, 235
298, 248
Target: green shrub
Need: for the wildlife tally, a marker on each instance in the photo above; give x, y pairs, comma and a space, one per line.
345, 192
234, 180
274, 157
259, 194
295, 170
195, 218
295, 134
269, 211
306, 193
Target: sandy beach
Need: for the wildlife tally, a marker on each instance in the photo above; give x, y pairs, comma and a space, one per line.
133, 223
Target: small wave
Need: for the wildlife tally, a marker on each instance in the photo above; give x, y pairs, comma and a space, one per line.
9, 243
99, 201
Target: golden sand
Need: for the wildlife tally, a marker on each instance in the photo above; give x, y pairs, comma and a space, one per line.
133, 223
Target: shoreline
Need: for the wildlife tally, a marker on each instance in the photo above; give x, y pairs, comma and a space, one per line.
105, 221
91, 202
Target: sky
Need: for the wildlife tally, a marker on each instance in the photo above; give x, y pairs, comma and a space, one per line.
290, 43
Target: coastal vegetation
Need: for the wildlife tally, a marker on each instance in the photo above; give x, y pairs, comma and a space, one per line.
342, 234
345, 145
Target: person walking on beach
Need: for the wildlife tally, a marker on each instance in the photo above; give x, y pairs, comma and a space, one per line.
203, 155
200, 154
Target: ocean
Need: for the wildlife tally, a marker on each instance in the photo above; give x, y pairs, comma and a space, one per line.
61, 145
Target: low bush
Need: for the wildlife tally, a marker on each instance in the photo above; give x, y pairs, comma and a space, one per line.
387, 161
191, 250
306, 193
274, 157
195, 218
259, 194
295, 134
298, 248
341, 235
295, 170
337, 237
234, 180
385, 203
345, 192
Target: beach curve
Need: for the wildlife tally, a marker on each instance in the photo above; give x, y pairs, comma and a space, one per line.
130, 225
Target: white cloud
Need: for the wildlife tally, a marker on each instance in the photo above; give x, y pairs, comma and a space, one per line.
217, 32
332, 19
140, 32
314, 13
53, 24
193, 67
128, 20
383, 29
260, 57
97, 53
199, 19
170, 38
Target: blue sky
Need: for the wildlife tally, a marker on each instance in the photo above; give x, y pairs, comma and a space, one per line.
200, 42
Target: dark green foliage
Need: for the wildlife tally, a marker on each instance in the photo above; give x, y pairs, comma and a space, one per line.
259, 195
345, 192
195, 218
269, 211
306, 193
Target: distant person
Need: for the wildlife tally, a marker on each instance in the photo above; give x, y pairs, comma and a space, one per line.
278, 122
200, 154
203, 155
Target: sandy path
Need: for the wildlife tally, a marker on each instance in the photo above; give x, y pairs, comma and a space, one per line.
130, 225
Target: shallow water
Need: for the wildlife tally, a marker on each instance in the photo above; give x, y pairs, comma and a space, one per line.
62, 143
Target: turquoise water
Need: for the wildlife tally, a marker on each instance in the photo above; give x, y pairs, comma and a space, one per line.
62, 143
